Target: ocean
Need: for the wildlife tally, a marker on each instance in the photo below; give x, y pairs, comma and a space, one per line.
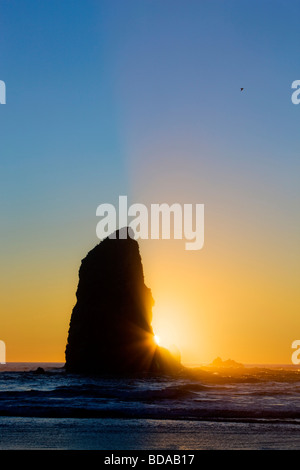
255, 407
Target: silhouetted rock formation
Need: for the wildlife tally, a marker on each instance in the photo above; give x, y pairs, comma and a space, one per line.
110, 329
229, 363
39, 370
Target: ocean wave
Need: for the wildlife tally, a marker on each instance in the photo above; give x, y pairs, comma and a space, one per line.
252, 395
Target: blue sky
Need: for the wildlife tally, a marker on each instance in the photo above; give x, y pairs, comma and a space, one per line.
87, 81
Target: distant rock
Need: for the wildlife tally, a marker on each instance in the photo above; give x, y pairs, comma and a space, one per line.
110, 329
225, 364
39, 370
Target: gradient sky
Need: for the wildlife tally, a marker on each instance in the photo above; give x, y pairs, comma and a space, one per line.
142, 98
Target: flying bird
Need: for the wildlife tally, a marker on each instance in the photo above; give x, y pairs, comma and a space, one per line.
242, 89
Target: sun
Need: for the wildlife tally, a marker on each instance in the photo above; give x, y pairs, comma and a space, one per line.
156, 339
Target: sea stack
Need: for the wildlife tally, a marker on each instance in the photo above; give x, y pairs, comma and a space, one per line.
110, 328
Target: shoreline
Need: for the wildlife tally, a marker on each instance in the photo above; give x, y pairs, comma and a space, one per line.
76, 434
